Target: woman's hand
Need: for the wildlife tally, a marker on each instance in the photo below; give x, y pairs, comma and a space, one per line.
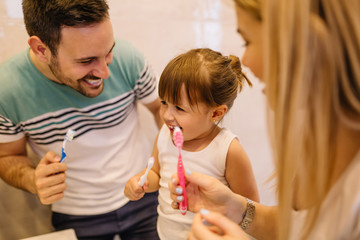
207, 192
215, 226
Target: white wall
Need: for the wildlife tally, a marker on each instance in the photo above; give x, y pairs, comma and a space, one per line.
164, 28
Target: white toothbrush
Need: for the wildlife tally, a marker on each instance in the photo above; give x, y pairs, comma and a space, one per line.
149, 166
68, 138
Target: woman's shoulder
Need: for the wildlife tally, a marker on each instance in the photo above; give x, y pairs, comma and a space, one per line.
340, 212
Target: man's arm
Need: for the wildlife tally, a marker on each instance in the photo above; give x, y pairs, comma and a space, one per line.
47, 180
16, 168
154, 108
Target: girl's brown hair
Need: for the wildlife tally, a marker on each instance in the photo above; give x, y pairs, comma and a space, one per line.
207, 76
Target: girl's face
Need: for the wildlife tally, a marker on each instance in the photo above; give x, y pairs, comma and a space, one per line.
196, 122
250, 30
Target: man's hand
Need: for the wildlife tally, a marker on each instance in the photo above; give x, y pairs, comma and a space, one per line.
49, 178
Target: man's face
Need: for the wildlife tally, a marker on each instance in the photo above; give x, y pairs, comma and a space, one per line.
84, 54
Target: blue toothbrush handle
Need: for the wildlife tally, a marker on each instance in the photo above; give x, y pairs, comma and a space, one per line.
63, 155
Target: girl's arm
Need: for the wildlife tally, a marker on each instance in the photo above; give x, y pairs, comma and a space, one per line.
239, 173
153, 177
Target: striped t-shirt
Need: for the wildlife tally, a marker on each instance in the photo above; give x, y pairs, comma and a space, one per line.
108, 148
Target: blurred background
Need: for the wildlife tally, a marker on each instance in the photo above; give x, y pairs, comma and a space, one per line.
161, 29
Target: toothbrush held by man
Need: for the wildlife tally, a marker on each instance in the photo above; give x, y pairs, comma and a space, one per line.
68, 138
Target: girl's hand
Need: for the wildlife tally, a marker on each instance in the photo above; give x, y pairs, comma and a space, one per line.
215, 226
133, 190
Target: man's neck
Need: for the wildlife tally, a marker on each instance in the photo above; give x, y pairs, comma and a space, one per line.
42, 67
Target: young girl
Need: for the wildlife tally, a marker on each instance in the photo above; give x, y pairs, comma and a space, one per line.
197, 89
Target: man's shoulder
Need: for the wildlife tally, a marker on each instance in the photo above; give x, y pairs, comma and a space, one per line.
16, 64
15, 72
19, 56
125, 52
128, 62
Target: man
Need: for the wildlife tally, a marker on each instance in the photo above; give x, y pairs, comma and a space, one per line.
75, 75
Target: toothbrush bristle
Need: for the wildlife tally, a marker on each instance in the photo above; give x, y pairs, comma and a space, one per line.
178, 137
70, 135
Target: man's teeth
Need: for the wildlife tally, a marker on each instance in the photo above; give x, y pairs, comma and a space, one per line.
92, 82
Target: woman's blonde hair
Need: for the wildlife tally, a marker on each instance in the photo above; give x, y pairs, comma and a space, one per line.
312, 75
251, 6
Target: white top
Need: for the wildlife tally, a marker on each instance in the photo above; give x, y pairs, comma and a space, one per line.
211, 160
339, 216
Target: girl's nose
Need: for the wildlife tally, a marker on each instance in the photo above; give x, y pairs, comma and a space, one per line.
168, 115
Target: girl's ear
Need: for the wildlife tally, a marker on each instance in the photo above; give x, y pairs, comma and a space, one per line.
41, 51
219, 112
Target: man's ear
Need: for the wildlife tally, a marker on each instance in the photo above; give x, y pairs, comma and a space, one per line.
41, 51
219, 112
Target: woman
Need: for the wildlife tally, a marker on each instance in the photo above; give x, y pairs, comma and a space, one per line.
311, 57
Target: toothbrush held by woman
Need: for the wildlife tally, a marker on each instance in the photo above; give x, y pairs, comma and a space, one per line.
68, 138
179, 140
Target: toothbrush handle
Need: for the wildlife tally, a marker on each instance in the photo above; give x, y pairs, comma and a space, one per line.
181, 175
143, 178
63, 155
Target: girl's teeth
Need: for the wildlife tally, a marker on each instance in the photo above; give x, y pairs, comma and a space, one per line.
172, 127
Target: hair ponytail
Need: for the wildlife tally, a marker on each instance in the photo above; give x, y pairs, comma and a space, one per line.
235, 65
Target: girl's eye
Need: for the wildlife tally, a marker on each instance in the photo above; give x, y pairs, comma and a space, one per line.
179, 108
163, 102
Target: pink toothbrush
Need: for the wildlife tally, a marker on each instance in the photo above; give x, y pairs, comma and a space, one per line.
179, 140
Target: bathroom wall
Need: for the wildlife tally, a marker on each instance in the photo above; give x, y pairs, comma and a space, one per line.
161, 29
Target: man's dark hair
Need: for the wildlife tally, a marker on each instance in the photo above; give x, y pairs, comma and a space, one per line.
45, 18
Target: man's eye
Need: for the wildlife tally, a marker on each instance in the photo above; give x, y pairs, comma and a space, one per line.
86, 61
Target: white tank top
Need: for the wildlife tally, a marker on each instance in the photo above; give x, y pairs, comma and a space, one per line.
210, 160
